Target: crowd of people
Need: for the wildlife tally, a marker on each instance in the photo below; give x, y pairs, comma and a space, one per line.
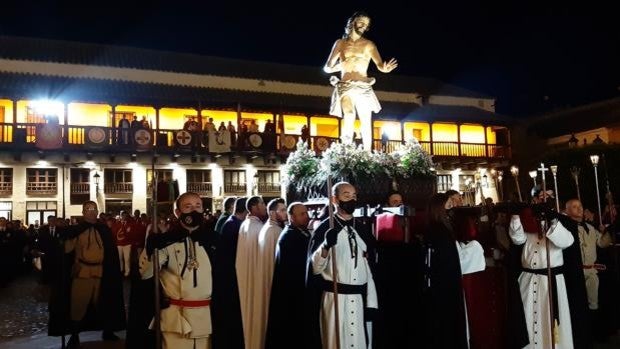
274, 275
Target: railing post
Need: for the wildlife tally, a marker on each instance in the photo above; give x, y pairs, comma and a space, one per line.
430, 134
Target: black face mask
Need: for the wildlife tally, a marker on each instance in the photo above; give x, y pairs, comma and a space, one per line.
348, 206
191, 219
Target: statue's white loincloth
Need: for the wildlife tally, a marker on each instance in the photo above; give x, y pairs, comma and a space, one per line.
361, 94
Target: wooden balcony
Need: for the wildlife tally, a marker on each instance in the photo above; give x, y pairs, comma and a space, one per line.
22, 136
269, 187
235, 187
80, 188
118, 188
202, 188
41, 188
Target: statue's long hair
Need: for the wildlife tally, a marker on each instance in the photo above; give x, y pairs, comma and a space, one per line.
349, 27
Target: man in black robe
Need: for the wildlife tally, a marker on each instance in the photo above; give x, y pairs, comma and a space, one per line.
288, 290
107, 311
226, 308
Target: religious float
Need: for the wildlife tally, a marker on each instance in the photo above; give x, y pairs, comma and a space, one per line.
375, 174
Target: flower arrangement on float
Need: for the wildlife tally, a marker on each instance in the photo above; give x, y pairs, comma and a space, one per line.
408, 170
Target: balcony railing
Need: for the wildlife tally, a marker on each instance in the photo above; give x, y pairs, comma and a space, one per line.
113, 139
41, 188
201, 188
80, 188
235, 187
269, 187
118, 188
6, 188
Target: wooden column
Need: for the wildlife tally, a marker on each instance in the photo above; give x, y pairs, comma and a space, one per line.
486, 145
458, 137
14, 112
65, 123
430, 134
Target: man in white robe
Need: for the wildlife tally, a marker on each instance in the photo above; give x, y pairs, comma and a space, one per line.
589, 239
534, 283
357, 295
247, 277
267, 241
185, 276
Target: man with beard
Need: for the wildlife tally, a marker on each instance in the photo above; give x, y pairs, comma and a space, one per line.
288, 292
267, 240
95, 279
246, 267
185, 276
357, 296
353, 92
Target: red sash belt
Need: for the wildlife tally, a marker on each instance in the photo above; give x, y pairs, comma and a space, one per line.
595, 266
190, 303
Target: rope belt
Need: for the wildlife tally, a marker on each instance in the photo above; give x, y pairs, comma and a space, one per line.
190, 303
596, 266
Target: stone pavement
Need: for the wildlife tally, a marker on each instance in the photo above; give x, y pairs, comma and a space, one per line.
23, 320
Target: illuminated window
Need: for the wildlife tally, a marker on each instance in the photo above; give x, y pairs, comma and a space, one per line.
199, 181
235, 181
80, 186
6, 181
444, 183
41, 181
118, 181
268, 181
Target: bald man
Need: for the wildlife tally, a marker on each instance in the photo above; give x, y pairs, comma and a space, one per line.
589, 239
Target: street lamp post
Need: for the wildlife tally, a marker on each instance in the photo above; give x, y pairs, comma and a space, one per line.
97, 177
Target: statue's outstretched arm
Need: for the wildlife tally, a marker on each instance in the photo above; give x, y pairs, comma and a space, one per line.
382, 66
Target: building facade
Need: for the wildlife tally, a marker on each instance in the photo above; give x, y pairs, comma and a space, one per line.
85, 121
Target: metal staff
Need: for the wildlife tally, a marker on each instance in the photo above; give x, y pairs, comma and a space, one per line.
157, 320
612, 218
575, 172
554, 171
594, 160
330, 209
515, 173
542, 169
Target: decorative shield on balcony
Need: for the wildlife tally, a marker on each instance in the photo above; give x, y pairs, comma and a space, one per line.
182, 139
255, 140
289, 142
321, 144
143, 140
96, 137
48, 136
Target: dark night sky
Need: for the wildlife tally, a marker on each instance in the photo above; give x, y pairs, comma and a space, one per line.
517, 53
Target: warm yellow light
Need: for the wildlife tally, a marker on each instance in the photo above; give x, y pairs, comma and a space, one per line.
445, 133
324, 126
472, 134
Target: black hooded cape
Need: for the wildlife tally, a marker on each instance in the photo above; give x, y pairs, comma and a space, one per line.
110, 308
